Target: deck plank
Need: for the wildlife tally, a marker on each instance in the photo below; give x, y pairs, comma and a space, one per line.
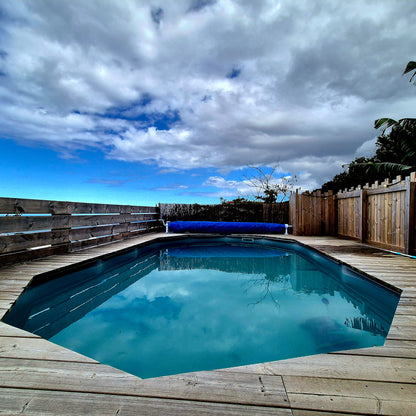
45, 403
399, 351
371, 368
358, 406
238, 388
350, 388
350, 395
218, 386
303, 412
39, 349
66, 376
11, 331
402, 332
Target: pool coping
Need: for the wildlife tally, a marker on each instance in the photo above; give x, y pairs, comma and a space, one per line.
285, 371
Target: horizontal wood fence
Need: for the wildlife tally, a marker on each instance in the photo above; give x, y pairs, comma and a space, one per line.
32, 228
246, 212
382, 214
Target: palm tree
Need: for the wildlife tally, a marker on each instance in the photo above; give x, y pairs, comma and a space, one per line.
396, 150
401, 139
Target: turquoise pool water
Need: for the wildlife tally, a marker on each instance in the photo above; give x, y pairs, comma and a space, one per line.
201, 304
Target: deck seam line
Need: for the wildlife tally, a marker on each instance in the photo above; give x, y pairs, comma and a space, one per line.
57, 361
287, 394
335, 378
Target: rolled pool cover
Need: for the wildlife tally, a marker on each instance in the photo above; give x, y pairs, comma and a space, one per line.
224, 227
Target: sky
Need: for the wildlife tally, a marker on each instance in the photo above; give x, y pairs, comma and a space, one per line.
146, 102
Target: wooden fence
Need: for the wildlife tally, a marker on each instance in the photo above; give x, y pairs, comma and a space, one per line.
382, 214
313, 213
35, 228
247, 212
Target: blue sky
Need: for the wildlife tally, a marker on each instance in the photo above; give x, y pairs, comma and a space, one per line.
89, 176
141, 102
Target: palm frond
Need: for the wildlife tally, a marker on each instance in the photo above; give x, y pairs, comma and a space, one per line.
384, 167
403, 124
409, 150
387, 122
411, 66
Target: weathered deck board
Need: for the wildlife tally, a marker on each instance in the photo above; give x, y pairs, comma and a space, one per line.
237, 388
38, 349
351, 396
384, 351
38, 377
241, 388
350, 388
371, 368
357, 406
40, 402
302, 412
11, 331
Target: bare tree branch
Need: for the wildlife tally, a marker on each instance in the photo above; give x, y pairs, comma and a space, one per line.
268, 187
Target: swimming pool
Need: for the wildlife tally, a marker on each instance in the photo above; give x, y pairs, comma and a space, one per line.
204, 303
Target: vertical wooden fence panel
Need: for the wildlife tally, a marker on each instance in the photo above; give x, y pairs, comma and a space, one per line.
386, 214
349, 206
313, 213
409, 239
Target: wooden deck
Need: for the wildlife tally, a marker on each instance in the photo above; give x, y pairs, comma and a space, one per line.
41, 378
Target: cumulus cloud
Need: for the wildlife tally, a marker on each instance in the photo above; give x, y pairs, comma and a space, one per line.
226, 188
249, 188
221, 84
220, 182
367, 149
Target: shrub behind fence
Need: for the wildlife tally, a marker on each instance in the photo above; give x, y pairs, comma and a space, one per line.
245, 212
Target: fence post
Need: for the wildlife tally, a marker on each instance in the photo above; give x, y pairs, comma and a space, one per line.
317, 207
409, 236
363, 215
291, 211
298, 208
294, 212
332, 213
61, 226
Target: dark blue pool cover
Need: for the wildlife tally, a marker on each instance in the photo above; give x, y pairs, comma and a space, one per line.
224, 227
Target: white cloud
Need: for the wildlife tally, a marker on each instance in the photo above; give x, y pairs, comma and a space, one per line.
226, 188
367, 149
247, 187
220, 182
312, 79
